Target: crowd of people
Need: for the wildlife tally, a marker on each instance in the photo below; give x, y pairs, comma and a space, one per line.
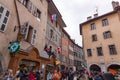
24, 74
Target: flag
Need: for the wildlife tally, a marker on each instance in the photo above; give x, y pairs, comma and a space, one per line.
59, 50
53, 17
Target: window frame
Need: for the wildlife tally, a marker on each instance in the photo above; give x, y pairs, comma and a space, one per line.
89, 52
112, 49
94, 37
105, 22
107, 34
99, 51
93, 26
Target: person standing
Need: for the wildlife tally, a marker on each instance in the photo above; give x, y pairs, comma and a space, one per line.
98, 76
37, 75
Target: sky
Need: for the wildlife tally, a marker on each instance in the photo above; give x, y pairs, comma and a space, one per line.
75, 12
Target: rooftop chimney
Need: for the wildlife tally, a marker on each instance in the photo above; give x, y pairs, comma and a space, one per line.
115, 4
89, 17
95, 15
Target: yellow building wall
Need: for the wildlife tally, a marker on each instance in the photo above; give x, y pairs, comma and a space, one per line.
114, 27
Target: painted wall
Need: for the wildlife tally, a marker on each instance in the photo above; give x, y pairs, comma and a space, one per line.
87, 33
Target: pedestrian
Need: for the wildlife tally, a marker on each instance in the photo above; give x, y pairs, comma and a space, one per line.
90, 77
49, 76
98, 76
32, 76
71, 76
55, 76
37, 75
9, 74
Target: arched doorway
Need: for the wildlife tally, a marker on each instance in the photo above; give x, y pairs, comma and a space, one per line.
94, 67
114, 67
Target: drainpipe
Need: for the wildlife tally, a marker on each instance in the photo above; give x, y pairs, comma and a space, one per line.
18, 18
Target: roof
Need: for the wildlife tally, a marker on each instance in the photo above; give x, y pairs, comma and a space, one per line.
93, 19
64, 31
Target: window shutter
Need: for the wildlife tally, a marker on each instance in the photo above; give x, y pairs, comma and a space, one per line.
20, 1
33, 37
35, 12
24, 30
33, 9
4, 17
29, 6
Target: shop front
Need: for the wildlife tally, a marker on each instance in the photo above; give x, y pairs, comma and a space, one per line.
34, 60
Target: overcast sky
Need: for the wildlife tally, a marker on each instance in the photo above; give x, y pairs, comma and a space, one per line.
75, 12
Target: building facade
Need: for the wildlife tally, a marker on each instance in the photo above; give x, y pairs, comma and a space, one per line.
100, 40
55, 24
65, 45
22, 31
78, 57
7, 13
71, 55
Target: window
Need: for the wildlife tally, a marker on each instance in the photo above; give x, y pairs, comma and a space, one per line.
29, 33
38, 14
89, 52
94, 37
99, 51
56, 38
104, 22
93, 26
64, 59
51, 34
4, 16
107, 35
25, 3
31, 8
112, 49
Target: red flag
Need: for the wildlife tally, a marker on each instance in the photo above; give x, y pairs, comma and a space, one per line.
59, 50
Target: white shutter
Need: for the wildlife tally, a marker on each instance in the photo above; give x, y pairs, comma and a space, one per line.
29, 6
26, 29
33, 37
2, 14
35, 11
4, 18
20, 1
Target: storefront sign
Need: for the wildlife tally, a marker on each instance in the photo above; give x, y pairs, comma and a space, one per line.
14, 47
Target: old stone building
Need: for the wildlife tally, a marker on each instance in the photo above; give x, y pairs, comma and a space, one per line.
55, 24
101, 40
